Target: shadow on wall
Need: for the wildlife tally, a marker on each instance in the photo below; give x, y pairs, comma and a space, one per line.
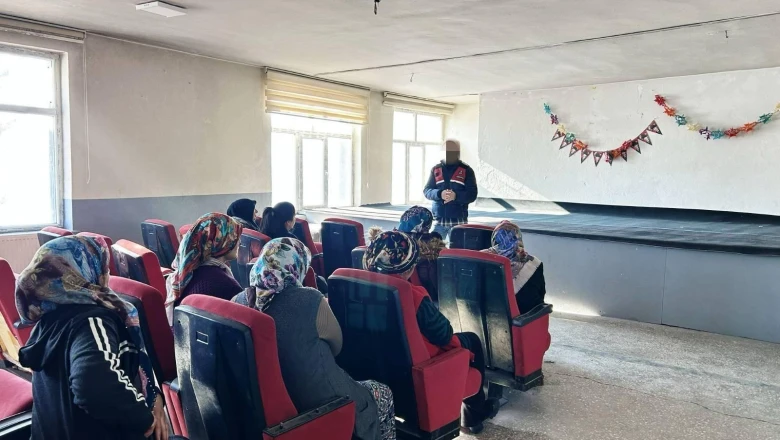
498, 186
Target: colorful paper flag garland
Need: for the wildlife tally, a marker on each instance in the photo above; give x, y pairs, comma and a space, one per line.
709, 133
570, 140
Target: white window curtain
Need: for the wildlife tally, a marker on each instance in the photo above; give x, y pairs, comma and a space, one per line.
417, 104
304, 96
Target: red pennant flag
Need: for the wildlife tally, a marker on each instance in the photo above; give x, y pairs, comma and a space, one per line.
597, 157
584, 154
644, 137
654, 128
558, 134
609, 157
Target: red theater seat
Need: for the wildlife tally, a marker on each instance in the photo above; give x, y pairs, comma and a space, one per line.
160, 237
473, 237
138, 263
16, 401
158, 338
303, 233
108, 243
383, 342
476, 293
49, 233
251, 244
339, 238
230, 381
8, 304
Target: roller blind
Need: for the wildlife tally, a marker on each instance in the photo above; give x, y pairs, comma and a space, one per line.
303, 96
417, 104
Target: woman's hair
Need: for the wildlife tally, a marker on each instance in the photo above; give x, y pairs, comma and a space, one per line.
274, 219
243, 209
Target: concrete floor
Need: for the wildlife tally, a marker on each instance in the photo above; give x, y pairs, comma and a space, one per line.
614, 379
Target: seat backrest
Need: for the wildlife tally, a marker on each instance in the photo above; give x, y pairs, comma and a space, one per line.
230, 381
472, 237
49, 233
154, 323
339, 238
184, 229
357, 257
303, 233
138, 263
8, 303
160, 237
108, 242
250, 245
15, 395
381, 338
476, 295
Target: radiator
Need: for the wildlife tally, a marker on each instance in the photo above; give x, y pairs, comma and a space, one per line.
18, 249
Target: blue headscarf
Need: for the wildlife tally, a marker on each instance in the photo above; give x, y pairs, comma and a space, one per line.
74, 270
416, 220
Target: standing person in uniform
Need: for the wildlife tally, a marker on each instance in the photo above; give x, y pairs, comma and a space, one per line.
452, 186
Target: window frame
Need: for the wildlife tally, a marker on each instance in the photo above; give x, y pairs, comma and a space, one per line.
299, 137
415, 143
57, 167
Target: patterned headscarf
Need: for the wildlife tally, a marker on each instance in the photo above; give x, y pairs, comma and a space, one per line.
74, 270
282, 264
416, 220
507, 241
212, 236
392, 252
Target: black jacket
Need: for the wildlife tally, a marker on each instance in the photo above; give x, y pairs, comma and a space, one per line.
84, 366
465, 189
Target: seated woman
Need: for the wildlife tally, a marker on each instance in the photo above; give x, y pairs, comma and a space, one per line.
527, 271
417, 222
84, 385
278, 221
309, 339
395, 253
245, 212
202, 261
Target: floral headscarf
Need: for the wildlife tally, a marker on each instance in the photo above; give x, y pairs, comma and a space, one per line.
282, 264
74, 270
211, 236
392, 252
416, 220
507, 241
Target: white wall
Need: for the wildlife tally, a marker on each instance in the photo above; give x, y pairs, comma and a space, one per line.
463, 125
680, 170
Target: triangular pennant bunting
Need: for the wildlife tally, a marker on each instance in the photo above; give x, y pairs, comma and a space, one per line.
573, 150
558, 134
654, 128
635, 145
609, 158
644, 137
584, 155
565, 143
624, 155
597, 157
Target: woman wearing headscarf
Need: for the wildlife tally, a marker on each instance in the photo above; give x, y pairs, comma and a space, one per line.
202, 261
417, 222
92, 377
309, 339
395, 253
244, 211
527, 270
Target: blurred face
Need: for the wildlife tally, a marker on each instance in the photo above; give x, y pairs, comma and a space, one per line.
290, 225
451, 152
257, 215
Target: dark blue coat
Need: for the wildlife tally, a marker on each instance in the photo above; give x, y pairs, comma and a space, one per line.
464, 185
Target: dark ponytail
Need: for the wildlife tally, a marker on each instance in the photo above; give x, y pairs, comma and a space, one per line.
274, 219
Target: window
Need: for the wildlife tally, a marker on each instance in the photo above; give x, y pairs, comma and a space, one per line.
417, 139
30, 139
311, 161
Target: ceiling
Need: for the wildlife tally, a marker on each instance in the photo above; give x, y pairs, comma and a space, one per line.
440, 48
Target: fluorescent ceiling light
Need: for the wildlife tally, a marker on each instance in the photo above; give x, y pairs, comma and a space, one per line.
161, 8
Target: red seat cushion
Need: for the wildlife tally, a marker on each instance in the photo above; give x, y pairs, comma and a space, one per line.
8, 303
15, 395
277, 404
54, 230
150, 262
184, 229
156, 321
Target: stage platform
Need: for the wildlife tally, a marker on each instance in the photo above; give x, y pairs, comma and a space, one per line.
710, 271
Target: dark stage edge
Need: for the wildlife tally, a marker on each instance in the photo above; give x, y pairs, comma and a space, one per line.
671, 228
